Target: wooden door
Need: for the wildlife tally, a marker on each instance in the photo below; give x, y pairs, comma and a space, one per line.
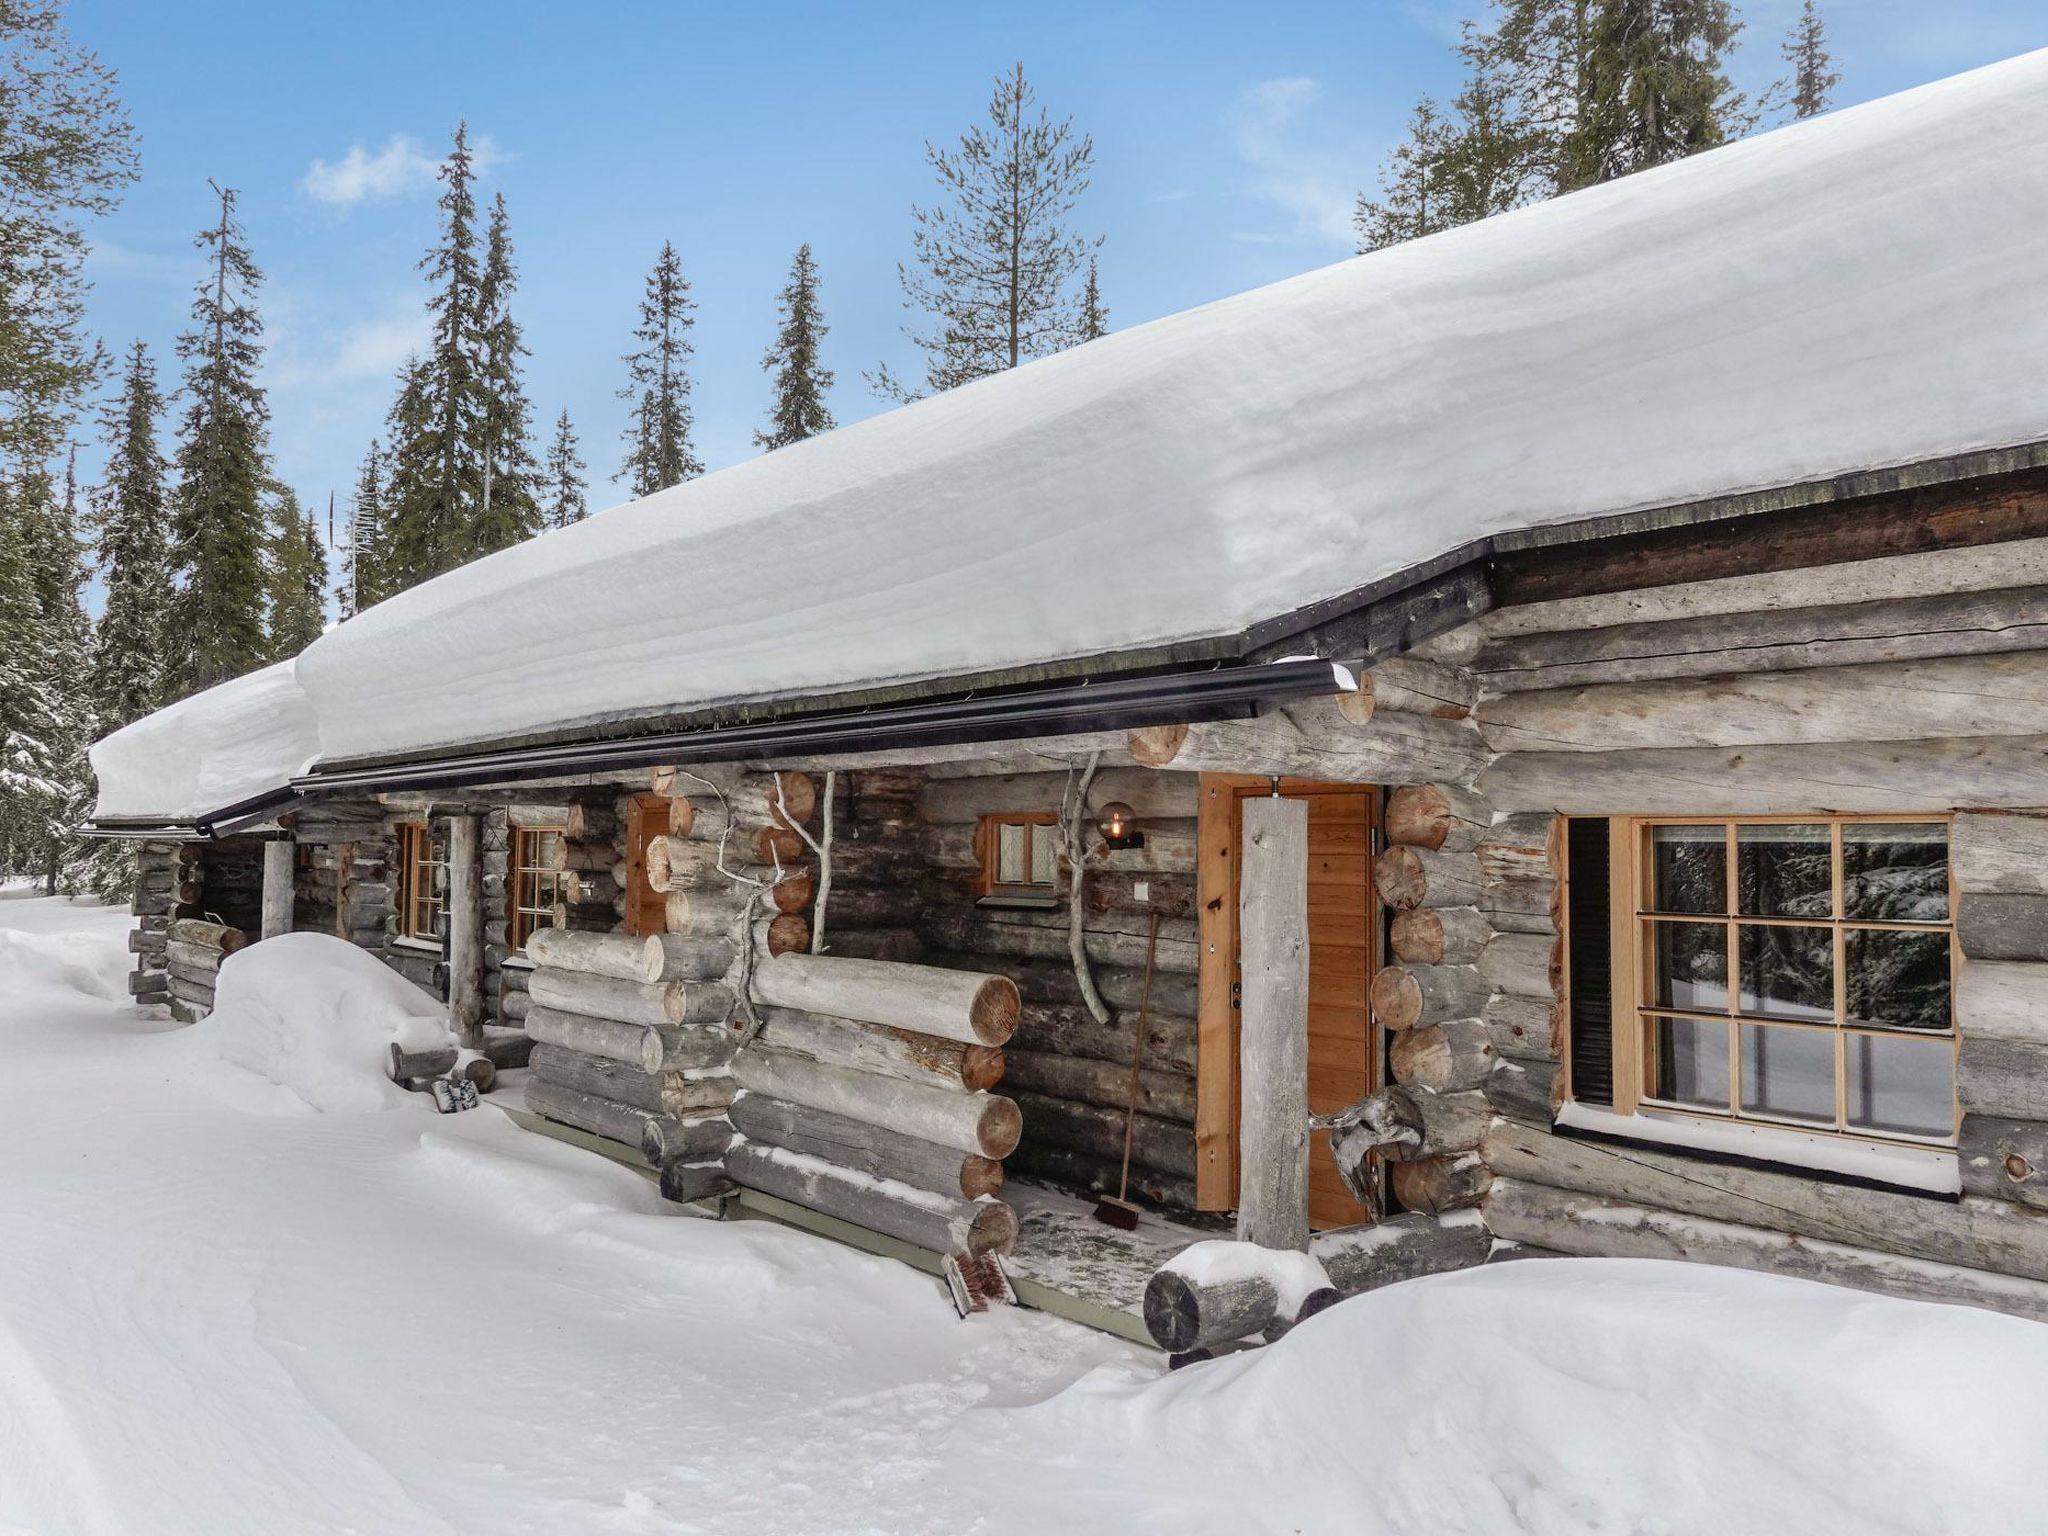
1343, 918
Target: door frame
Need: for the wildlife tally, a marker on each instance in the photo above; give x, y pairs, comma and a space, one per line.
1217, 1042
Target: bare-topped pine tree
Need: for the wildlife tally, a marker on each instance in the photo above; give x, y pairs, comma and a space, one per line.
996, 260
1813, 67
658, 451
801, 382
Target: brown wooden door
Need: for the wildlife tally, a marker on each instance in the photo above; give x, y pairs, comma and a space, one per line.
1343, 951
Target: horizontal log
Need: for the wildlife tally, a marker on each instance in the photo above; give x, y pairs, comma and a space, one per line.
589, 887
1447, 1058
142, 941
1069, 1029
1589, 1225
638, 1046
631, 1002
1982, 1234
1312, 738
208, 935
1165, 1095
684, 1182
1437, 816
1090, 1173
1525, 1090
1887, 630
1151, 795
1414, 997
899, 946
1845, 776
662, 1093
1437, 1185
698, 809
1174, 994
195, 993
1438, 935
1413, 685
1405, 1247
1525, 1028
2000, 852
1524, 964
685, 911
1165, 1145
623, 957
192, 957
666, 1139
403, 1066
1170, 847
2005, 999
919, 1217
577, 821
1402, 1123
1183, 1313
1042, 935
705, 913
1406, 878
2000, 1076
507, 1048
874, 1150
148, 983
2005, 1159
566, 857
623, 1123
898, 1053
975, 1008
2001, 926
982, 1123
514, 1002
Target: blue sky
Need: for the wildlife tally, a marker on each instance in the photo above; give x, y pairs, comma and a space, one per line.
1230, 141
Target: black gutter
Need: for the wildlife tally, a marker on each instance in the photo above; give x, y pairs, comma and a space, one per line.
1221, 694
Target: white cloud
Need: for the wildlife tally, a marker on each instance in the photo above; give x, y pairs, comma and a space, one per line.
1273, 124
324, 359
400, 168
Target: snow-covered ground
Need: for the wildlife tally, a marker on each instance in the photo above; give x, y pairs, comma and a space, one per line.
223, 1311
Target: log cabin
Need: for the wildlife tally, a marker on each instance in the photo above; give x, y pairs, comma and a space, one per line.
1530, 741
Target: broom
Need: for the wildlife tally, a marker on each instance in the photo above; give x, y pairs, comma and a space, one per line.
1116, 1210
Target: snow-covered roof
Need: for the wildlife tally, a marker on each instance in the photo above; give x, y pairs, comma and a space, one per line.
203, 754
1861, 290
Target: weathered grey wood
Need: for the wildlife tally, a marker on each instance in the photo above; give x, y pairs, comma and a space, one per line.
630, 1002
1998, 852
1402, 1123
1152, 795
199, 931
2003, 1077
1982, 1234
666, 1139
196, 975
899, 1053
983, 1123
635, 1045
659, 1137
196, 958
1168, 1095
580, 822
1068, 1029
1272, 917
1438, 935
1170, 848
465, 932
1524, 1089
1449, 1057
1413, 685
507, 1048
403, 1066
2005, 999
623, 957
1848, 776
1592, 1226
1075, 1169
194, 993
1311, 738
2005, 1159
667, 1093
974, 1008
1096, 1133
1040, 934
1968, 696
684, 1182
1824, 635
929, 1221
1399, 1248
1525, 1028
1438, 816
1439, 1185
1183, 1314
278, 887
2000, 926
1414, 997
875, 1150
1525, 964
1045, 982
1407, 878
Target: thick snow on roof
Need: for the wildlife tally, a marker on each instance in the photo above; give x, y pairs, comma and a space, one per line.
205, 753
1860, 290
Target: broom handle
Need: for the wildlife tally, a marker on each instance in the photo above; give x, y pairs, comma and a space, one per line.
1123, 1183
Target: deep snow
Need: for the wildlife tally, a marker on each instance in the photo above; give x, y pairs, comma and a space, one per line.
222, 1311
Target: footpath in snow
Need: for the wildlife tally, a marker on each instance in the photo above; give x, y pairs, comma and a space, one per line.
224, 1310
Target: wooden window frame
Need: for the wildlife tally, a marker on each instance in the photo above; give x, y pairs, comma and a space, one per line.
524, 917
1632, 929
421, 898
987, 833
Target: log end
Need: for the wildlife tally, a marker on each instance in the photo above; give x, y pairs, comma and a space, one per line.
795, 797
981, 1067
793, 892
993, 1228
1357, 706
1154, 746
1417, 937
995, 1010
981, 1176
1173, 1312
789, 933
1395, 998
1418, 816
1001, 1127
682, 816
1398, 877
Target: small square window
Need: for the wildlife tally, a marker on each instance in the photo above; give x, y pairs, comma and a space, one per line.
1019, 856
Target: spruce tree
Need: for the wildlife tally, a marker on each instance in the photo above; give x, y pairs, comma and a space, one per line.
218, 517
1094, 315
66, 151
566, 500
1537, 63
1413, 202
1654, 88
658, 451
801, 381
131, 516
508, 511
1478, 161
298, 576
364, 560
1813, 67
995, 261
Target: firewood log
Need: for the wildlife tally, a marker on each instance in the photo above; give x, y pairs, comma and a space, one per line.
605, 997
1184, 1314
875, 1150
877, 1048
931, 1221
958, 1005
982, 1123
210, 935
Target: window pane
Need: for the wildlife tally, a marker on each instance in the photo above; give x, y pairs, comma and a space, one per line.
1784, 871
1692, 965
1787, 973
1789, 1073
1690, 869
1895, 871
1012, 866
1901, 1085
1898, 979
1689, 1062
1044, 852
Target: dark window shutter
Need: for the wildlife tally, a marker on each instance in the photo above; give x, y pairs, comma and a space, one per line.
1590, 963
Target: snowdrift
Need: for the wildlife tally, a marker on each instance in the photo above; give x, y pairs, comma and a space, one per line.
316, 1015
202, 754
1569, 1396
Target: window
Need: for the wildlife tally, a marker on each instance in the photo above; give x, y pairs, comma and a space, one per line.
1792, 972
536, 883
422, 880
1019, 856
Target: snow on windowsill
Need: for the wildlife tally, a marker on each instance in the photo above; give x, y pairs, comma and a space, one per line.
1931, 1170
417, 946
